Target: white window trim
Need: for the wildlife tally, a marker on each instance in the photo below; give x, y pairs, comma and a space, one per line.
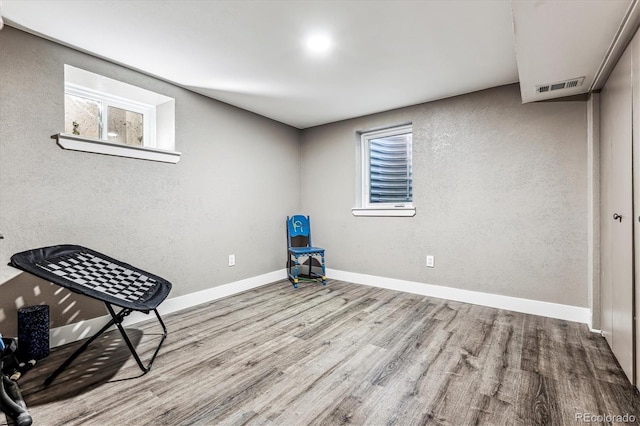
397, 212
107, 100
363, 206
159, 136
99, 146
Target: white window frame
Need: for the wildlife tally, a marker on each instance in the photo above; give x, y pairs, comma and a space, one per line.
363, 205
158, 117
107, 100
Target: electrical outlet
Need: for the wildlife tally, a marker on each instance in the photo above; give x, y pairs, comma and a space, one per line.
430, 261
232, 260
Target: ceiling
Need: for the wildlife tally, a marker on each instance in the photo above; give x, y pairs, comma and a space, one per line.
385, 54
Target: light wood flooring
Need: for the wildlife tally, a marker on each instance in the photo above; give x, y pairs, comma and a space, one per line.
340, 354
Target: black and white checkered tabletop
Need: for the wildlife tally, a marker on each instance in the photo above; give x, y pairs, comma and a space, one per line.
93, 272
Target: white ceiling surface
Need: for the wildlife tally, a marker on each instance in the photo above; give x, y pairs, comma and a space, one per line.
562, 40
386, 54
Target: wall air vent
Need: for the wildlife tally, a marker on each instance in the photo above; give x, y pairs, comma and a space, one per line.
567, 84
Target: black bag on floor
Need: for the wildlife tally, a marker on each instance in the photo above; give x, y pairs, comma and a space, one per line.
11, 401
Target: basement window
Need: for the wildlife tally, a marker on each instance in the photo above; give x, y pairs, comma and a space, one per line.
385, 178
102, 116
107, 116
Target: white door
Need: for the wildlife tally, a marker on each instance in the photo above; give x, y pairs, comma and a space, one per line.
617, 214
635, 56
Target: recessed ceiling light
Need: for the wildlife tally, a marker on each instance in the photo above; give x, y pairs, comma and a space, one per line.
318, 43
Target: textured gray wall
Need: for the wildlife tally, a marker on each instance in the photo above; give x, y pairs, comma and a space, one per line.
230, 192
500, 191
499, 188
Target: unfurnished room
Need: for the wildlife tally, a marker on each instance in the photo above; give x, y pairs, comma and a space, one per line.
283, 212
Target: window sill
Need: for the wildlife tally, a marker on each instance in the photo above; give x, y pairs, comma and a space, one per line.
97, 146
398, 212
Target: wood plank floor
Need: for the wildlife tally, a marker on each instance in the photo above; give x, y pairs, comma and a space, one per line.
340, 354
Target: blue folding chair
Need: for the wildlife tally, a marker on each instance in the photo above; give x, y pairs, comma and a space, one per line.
299, 245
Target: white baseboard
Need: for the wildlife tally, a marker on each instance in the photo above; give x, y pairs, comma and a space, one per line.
72, 332
516, 304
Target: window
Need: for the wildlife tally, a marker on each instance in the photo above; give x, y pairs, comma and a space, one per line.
107, 116
102, 116
386, 181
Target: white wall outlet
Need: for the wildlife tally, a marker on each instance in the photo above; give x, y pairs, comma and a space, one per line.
232, 260
430, 261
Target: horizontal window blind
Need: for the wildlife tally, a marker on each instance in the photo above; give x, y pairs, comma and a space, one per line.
390, 174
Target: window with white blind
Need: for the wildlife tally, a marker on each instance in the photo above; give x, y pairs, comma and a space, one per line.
386, 180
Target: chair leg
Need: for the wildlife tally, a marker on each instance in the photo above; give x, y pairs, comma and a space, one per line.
295, 272
132, 348
324, 274
81, 349
116, 318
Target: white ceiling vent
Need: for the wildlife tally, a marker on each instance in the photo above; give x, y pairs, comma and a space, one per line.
567, 84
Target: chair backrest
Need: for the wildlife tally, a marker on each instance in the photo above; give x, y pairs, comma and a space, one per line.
299, 226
